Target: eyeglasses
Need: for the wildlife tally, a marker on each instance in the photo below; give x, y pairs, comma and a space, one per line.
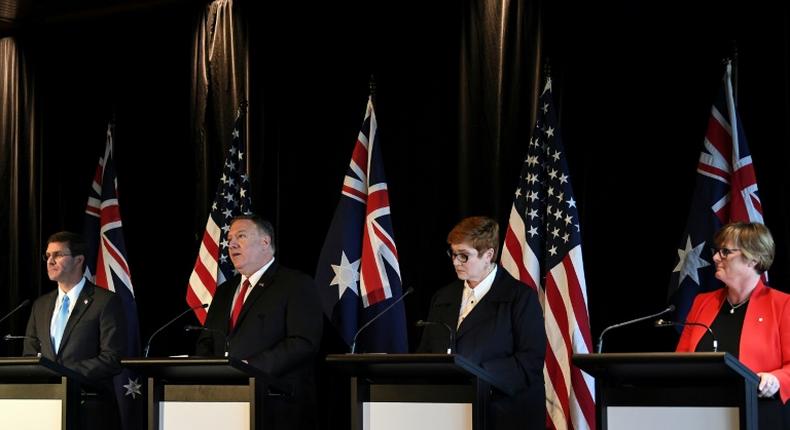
57, 255
462, 258
723, 252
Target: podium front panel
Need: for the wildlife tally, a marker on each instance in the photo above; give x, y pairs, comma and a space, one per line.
36, 393
416, 416
198, 393
32, 414
638, 390
389, 405
672, 417
178, 415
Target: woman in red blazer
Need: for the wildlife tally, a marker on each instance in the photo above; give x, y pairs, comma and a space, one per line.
750, 320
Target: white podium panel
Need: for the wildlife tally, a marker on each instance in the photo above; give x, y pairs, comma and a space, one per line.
204, 415
416, 416
675, 418
31, 414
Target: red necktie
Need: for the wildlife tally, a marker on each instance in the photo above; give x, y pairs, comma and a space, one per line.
234, 316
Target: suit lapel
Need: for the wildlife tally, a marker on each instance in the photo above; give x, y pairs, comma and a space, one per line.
47, 342
450, 305
83, 303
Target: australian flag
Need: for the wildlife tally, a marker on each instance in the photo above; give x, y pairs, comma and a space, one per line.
106, 266
726, 191
358, 274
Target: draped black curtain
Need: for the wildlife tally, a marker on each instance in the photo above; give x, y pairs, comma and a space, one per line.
19, 186
220, 81
500, 64
456, 86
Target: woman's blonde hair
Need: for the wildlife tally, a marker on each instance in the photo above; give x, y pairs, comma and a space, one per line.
753, 239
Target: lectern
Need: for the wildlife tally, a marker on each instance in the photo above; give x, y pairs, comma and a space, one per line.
205, 393
672, 390
416, 391
37, 393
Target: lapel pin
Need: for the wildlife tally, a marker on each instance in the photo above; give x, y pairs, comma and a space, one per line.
86, 301
760, 319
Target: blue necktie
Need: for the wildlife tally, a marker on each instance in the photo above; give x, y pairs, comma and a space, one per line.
60, 323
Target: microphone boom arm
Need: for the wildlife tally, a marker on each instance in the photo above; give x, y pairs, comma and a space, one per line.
148, 344
370, 321
670, 308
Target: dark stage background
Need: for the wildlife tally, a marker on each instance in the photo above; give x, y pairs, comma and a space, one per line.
634, 83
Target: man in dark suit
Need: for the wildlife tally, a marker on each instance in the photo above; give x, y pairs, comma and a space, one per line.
272, 319
79, 326
498, 323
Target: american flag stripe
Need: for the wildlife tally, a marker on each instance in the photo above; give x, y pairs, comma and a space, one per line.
542, 248
556, 333
557, 405
213, 265
565, 338
206, 267
515, 260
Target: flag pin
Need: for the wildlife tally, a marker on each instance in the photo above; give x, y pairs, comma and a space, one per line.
760, 319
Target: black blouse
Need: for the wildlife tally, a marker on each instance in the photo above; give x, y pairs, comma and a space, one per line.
727, 327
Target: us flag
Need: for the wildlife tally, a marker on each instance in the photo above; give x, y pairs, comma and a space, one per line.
543, 249
213, 265
106, 266
726, 191
358, 274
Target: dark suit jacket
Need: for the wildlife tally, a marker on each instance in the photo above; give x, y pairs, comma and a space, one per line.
278, 331
505, 335
94, 337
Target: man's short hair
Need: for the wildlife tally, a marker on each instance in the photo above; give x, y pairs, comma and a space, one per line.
263, 225
75, 242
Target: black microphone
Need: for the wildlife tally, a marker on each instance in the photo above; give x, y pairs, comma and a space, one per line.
354, 340
665, 323
210, 330
669, 308
451, 346
148, 344
32, 338
21, 305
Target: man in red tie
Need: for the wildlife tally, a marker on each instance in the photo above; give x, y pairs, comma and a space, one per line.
271, 317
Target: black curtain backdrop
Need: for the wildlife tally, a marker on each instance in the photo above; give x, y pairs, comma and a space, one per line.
634, 82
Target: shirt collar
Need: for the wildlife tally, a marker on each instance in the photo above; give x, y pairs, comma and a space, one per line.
255, 277
482, 288
73, 293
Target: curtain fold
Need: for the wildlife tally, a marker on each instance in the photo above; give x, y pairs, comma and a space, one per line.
220, 77
500, 64
19, 184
